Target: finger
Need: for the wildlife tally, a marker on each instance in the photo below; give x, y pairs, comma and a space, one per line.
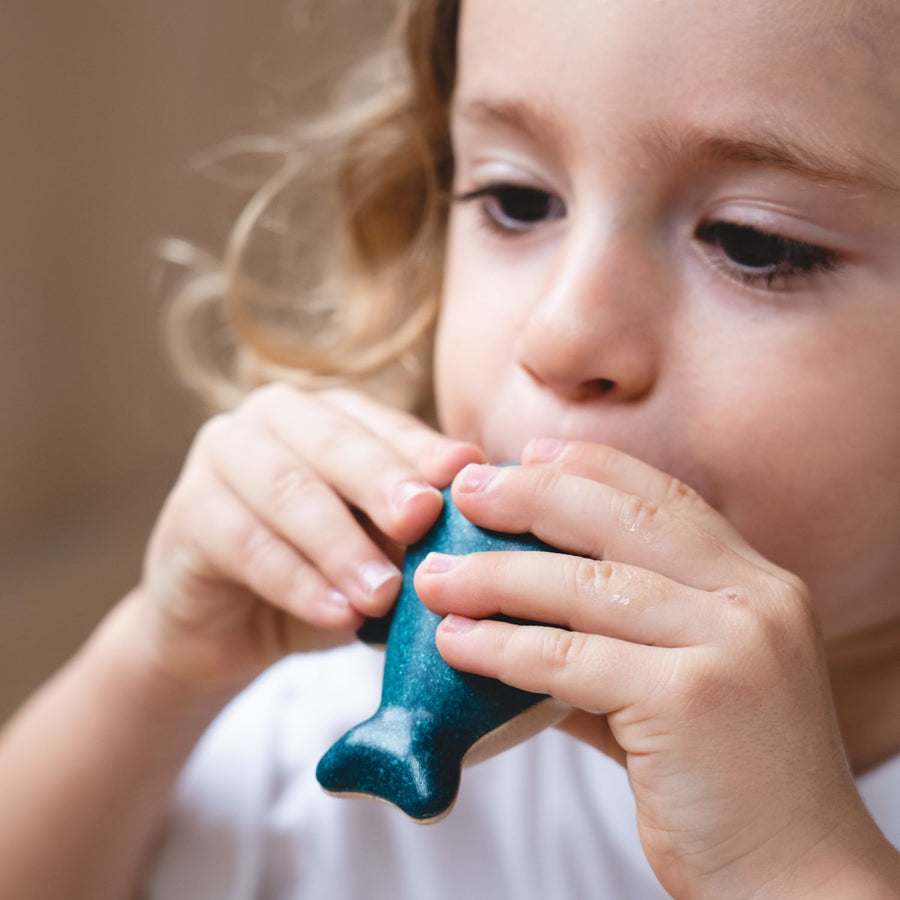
244, 550
586, 595
591, 672
594, 730
437, 457
589, 518
362, 467
298, 507
633, 476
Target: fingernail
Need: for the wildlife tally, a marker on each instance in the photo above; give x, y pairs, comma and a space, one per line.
407, 491
337, 599
457, 624
375, 573
438, 563
545, 449
475, 477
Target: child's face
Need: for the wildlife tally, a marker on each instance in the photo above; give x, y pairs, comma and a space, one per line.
623, 284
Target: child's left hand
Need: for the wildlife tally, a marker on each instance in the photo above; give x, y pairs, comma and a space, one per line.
693, 660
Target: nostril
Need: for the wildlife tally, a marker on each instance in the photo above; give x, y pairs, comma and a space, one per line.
594, 389
599, 386
590, 389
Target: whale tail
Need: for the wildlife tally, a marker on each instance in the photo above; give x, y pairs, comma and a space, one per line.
396, 756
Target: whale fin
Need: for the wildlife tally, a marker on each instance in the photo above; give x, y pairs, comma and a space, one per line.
395, 756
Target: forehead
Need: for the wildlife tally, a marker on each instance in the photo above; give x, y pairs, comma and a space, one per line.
824, 70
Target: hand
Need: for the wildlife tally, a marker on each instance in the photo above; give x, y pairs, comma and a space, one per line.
283, 530
690, 658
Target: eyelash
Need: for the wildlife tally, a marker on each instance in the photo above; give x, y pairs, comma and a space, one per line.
796, 259
492, 197
734, 242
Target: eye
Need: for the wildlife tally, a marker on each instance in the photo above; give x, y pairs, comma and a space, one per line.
515, 208
759, 257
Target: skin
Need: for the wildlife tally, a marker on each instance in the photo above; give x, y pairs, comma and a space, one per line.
718, 459
608, 322
256, 554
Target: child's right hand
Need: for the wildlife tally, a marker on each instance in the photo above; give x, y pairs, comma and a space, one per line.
261, 550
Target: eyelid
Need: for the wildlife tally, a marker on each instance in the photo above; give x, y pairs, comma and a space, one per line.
795, 221
782, 278
506, 225
492, 188
775, 234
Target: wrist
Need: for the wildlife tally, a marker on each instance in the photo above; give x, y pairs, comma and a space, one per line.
122, 659
847, 858
87, 766
871, 871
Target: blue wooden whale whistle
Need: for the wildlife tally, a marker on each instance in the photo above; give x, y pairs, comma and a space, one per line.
432, 718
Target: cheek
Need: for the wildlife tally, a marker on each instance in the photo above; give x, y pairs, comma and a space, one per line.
475, 341
473, 353
455, 377
807, 474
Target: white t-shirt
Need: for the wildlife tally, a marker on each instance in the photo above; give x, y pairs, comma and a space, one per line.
550, 818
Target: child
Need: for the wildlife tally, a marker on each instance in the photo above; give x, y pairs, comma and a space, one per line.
668, 236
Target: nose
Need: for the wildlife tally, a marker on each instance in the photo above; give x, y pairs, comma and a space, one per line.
594, 328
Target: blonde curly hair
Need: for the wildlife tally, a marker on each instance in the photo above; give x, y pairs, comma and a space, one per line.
331, 274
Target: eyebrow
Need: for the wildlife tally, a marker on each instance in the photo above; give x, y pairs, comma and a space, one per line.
672, 145
533, 121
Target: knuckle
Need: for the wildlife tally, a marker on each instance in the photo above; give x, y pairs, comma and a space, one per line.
560, 649
192, 571
637, 514
771, 629
406, 427
350, 405
750, 626
795, 609
770, 612
289, 488
342, 432
590, 578
735, 597
545, 482
748, 619
184, 536
675, 491
256, 549
797, 591
381, 420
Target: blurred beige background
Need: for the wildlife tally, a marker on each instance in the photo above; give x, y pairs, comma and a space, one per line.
103, 103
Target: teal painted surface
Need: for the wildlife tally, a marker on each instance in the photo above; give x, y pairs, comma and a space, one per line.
410, 752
